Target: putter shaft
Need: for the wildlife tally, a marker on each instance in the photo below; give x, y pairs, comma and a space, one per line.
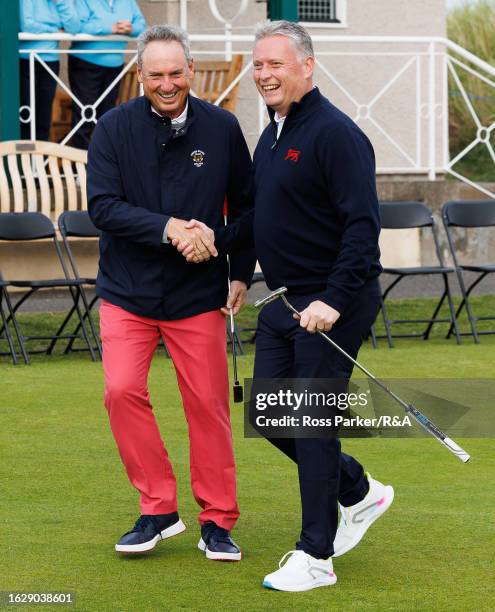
418, 416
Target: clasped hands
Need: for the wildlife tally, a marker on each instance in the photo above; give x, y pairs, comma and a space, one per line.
124, 26
194, 239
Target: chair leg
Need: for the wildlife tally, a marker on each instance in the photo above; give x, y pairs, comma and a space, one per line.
60, 330
427, 331
469, 310
453, 316
87, 315
18, 334
6, 330
465, 301
386, 322
374, 342
457, 313
94, 333
76, 295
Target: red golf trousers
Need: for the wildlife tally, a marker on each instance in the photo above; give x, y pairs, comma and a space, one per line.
197, 346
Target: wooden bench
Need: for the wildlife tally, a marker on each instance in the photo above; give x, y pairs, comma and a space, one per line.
211, 78
44, 177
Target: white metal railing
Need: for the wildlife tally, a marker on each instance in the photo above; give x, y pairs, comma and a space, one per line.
412, 71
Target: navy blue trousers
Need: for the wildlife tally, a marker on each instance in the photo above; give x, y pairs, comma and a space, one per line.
285, 350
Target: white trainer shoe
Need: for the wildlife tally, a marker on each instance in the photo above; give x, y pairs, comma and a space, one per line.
301, 573
356, 520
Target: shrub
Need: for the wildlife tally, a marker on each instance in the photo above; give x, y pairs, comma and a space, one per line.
472, 26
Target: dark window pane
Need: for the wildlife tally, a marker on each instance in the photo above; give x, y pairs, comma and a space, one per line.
318, 10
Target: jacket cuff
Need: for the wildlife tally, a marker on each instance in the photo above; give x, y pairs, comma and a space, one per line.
242, 266
337, 299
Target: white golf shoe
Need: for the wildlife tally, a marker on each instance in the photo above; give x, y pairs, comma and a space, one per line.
356, 520
301, 572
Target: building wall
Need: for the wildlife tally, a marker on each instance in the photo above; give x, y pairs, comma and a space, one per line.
401, 112
398, 247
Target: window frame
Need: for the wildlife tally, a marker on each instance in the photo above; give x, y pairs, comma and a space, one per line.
341, 9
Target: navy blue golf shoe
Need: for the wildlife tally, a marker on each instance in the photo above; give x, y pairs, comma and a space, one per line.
148, 531
217, 544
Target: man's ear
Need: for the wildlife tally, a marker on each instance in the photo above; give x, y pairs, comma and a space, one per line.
190, 65
140, 76
309, 66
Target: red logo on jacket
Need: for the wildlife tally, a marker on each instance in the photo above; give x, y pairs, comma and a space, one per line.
292, 155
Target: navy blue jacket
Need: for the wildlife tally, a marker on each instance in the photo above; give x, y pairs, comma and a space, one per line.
140, 173
316, 221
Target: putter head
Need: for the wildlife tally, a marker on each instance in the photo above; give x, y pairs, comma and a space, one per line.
238, 394
271, 297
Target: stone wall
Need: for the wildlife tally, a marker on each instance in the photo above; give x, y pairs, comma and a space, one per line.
415, 247
399, 247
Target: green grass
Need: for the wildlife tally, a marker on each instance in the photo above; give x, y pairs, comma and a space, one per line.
65, 500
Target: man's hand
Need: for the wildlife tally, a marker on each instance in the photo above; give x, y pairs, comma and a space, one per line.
237, 298
194, 239
318, 316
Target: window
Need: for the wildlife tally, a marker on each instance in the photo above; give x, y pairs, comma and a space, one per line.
311, 13
322, 11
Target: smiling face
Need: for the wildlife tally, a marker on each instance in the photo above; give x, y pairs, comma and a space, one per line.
281, 74
166, 77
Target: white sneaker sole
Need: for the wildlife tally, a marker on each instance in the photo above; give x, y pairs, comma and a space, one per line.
218, 556
171, 531
301, 587
359, 534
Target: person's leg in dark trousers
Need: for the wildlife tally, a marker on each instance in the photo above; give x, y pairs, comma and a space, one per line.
87, 82
325, 474
45, 86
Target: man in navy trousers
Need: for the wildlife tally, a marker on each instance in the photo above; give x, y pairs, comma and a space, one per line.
316, 232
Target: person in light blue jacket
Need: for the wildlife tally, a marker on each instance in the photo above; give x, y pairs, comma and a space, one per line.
42, 17
90, 74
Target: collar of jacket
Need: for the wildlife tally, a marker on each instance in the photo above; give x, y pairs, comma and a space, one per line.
145, 113
298, 110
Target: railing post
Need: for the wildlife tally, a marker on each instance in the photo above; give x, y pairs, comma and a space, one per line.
183, 14
228, 42
431, 114
445, 110
227, 23
32, 97
9, 70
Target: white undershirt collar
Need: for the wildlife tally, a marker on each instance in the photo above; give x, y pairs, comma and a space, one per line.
279, 121
180, 119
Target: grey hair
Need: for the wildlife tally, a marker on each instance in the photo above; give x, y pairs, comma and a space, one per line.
165, 33
295, 32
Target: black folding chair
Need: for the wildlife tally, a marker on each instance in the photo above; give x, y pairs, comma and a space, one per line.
29, 226
408, 215
77, 224
469, 214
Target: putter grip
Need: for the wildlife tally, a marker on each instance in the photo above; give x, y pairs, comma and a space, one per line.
456, 449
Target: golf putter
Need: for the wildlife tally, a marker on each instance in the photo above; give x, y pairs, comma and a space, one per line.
424, 421
237, 387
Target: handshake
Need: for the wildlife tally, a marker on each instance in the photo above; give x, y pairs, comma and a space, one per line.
194, 239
